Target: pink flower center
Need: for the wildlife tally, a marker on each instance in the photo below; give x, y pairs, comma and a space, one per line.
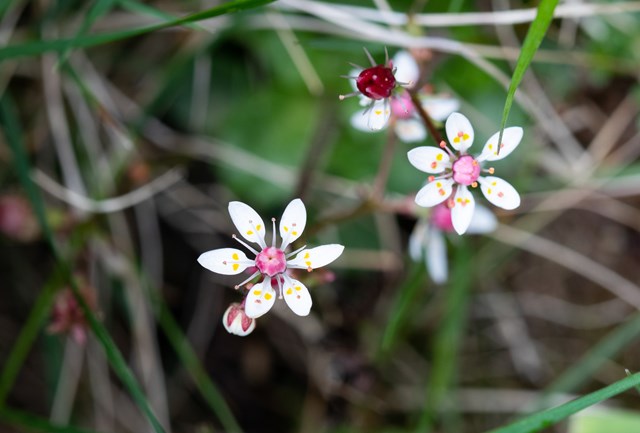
466, 170
377, 82
271, 261
441, 218
402, 107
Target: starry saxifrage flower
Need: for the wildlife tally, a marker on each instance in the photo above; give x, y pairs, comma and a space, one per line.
458, 170
406, 123
271, 261
378, 85
427, 240
236, 321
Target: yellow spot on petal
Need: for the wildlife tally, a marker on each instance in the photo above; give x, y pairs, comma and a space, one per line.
298, 288
439, 157
490, 147
267, 296
439, 184
378, 112
488, 190
258, 227
308, 263
459, 200
494, 183
249, 232
306, 256
465, 137
289, 291
294, 233
456, 140
257, 292
234, 256
286, 229
235, 266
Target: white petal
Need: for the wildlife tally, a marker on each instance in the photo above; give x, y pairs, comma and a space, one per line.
317, 257
436, 257
359, 120
462, 211
459, 132
248, 222
510, 140
417, 239
225, 261
483, 221
407, 70
260, 299
293, 222
439, 108
297, 296
378, 115
429, 159
410, 130
434, 192
499, 192
354, 73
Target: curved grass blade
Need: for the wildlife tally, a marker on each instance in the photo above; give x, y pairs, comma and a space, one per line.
550, 417
530, 45
14, 138
85, 41
30, 422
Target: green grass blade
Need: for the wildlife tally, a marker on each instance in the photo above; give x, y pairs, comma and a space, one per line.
400, 310
550, 417
530, 45
586, 367
192, 364
448, 339
28, 334
14, 138
31, 422
85, 41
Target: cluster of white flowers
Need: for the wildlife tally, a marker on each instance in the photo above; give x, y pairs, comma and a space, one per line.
383, 89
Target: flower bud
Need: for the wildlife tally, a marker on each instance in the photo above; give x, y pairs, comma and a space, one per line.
236, 321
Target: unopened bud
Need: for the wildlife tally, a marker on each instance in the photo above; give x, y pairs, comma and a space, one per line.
236, 321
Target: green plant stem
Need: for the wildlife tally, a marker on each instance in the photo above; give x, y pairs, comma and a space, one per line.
550, 417
426, 119
448, 339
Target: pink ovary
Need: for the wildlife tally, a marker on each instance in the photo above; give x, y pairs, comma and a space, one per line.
271, 261
466, 170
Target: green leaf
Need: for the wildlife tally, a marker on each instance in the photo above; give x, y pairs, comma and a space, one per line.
84, 41
605, 420
550, 417
531, 43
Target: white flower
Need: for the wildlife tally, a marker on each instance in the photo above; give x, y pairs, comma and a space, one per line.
271, 261
376, 87
237, 322
458, 170
427, 238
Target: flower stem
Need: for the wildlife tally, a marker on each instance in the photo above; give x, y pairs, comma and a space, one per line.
428, 122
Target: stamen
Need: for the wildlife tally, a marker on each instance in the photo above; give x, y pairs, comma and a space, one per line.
489, 170
295, 252
443, 145
386, 56
255, 274
273, 237
474, 184
244, 244
356, 66
348, 95
373, 62
444, 176
279, 286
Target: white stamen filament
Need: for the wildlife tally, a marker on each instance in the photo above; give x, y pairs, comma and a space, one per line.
273, 235
279, 286
260, 240
245, 244
291, 254
255, 274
